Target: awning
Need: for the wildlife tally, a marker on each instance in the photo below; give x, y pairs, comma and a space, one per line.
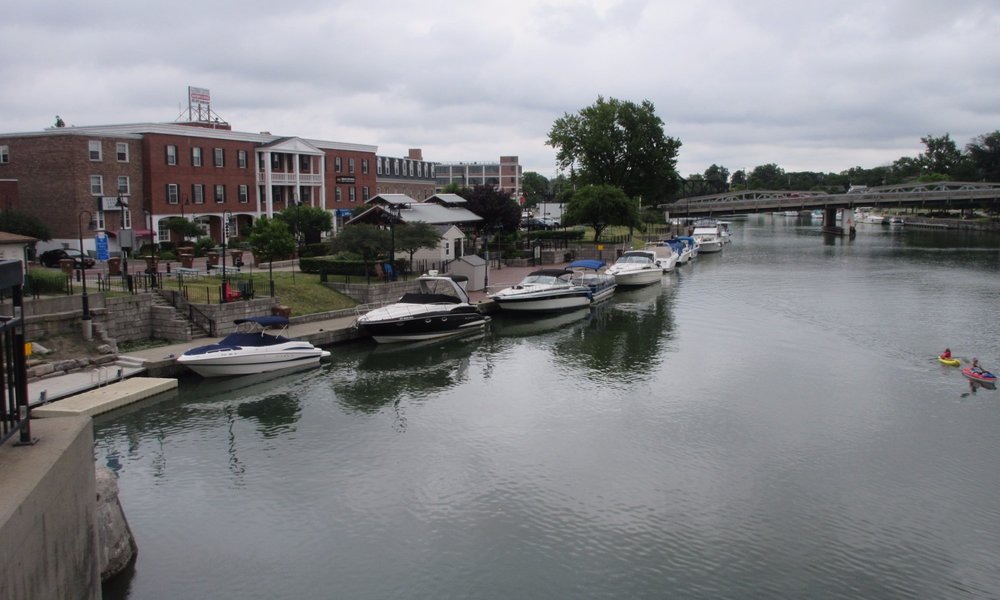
143, 233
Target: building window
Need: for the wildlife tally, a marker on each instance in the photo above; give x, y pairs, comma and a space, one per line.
411, 168
241, 159
350, 166
172, 193
364, 166
101, 225
196, 159
220, 193
352, 193
95, 150
121, 149
420, 169
336, 164
126, 218
364, 194
123, 185
304, 164
97, 185
337, 195
4, 154
171, 155
198, 193
395, 166
244, 194
220, 157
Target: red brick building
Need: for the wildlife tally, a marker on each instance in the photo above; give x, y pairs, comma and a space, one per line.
129, 179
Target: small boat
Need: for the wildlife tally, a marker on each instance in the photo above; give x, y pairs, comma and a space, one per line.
545, 290
951, 362
682, 250
666, 255
980, 375
636, 268
593, 274
709, 239
439, 308
249, 351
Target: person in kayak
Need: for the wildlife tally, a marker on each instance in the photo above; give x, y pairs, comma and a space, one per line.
946, 354
975, 368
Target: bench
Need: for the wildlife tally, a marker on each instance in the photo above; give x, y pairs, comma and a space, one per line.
189, 271
221, 269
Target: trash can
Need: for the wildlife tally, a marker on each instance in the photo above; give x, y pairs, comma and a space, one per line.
67, 265
213, 258
187, 261
114, 266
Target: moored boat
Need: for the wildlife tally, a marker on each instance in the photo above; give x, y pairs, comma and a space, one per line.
666, 255
709, 239
250, 350
439, 308
951, 362
593, 274
544, 290
980, 375
636, 268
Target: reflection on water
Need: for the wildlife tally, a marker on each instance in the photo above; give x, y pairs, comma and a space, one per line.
769, 422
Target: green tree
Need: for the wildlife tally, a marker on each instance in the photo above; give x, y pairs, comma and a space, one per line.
307, 223
498, 210
768, 177
411, 237
270, 239
183, 228
941, 155
536, 188
600, 206
621, 144
367, 241
12, 221
984, 154
718, 177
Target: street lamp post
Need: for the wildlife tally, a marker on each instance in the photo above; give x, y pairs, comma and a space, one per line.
226, 216
87, 324
123, 205
154, 238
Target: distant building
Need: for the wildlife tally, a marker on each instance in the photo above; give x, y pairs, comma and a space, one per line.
412, 176
504, 175
135, 177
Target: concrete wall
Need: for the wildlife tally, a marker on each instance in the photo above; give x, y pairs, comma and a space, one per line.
48, 514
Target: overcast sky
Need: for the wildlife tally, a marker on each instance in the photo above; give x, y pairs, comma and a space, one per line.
807, 85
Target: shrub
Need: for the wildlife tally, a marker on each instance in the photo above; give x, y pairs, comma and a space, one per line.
46, 282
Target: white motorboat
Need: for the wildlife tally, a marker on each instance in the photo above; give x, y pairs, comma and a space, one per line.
686, 248
439, 308
594, 275
249, 351
636, 268
545, 290
709, 239
666, 255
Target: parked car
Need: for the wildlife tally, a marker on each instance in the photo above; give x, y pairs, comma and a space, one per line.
531, 224
550, 223
51, 258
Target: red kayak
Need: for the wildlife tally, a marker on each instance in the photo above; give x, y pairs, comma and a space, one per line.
980, 376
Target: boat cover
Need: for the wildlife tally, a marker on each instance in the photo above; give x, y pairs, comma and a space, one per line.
274, 321
586, 264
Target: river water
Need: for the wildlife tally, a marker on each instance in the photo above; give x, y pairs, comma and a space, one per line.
770, 422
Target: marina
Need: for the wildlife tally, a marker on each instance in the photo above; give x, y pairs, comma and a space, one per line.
754, 424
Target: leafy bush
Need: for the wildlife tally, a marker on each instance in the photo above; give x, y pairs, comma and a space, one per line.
46, 282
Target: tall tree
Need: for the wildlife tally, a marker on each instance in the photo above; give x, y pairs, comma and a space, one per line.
768, 177
498, 210
718, 177
368, 241
618, 143
600, 206
536, 188
12, 221
411, 237
271, 239
984, 154
941, 156
307, 223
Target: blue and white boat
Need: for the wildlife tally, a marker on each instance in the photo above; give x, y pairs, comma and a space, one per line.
249, 351
593, 274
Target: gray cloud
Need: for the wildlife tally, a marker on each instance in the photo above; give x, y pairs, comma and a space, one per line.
809, 86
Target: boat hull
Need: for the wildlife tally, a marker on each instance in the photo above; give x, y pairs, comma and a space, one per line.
638, 278
232, 363
984, 377
541, 302
423, 327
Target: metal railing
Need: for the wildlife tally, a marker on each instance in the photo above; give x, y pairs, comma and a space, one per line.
15, 415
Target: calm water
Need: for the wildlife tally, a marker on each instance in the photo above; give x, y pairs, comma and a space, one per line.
769, 423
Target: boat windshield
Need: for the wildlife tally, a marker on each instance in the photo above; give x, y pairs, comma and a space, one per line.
634, 259
540, 280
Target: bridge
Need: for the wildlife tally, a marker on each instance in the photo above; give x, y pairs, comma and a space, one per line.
942, 195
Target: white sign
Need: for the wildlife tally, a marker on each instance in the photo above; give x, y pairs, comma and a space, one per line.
198, 95
111, 203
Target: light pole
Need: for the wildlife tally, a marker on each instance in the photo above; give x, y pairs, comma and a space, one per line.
154, 238
87, 331
393, 216
226, 216
123, 206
